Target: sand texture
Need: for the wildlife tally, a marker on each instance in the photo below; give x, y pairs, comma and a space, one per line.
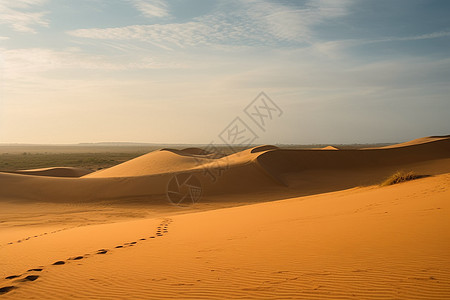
270, 224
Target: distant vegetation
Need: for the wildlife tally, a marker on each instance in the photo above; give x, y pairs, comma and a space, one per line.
93, 161
401, 176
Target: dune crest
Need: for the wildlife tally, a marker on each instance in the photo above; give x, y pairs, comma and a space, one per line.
156, 162
329, 148
261, 169
418, 141
263, 148
188, 151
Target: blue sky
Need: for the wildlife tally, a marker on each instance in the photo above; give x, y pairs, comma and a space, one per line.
348, 71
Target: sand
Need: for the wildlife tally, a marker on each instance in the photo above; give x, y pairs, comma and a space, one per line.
54, 172
274, 224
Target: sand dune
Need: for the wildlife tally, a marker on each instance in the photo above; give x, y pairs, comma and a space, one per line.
157, 162
263, 169
369, 165
333, 234
364, 243
416, 142
330, 148
54, 172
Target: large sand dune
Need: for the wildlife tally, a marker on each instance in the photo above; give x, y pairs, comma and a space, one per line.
365, 243
333, 234
266, 168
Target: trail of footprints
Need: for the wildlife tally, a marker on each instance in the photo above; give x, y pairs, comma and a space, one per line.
32, 274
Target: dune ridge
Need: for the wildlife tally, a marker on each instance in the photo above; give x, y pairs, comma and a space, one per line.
54, 172
262, 168
418, 141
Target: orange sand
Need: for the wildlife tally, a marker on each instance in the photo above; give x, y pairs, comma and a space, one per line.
348, 242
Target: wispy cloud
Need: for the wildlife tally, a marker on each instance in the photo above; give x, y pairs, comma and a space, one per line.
293, 23
23, 15
433, 35
152, 8
252, 22
166, 35
337, 48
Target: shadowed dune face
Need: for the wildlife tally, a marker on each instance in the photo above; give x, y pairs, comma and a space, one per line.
324, 171
195, 151
54, 172
187, 151
285, 161
262, 169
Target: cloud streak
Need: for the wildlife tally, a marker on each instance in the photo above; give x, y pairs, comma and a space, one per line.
152, 8
433, 35
288, 23
23, 15
253, 23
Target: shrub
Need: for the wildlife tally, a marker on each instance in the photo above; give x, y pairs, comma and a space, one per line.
401, 176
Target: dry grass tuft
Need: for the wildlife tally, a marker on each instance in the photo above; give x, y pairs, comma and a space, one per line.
401, 176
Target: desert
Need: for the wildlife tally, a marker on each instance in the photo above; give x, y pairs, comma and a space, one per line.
277, 223
225, 149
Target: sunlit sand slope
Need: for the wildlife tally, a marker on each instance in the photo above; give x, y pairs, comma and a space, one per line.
365, 243
161, 161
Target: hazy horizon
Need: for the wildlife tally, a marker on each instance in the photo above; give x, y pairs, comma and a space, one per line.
165, 72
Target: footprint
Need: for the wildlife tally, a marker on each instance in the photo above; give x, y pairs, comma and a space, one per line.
5, 289
161, 230
30, 278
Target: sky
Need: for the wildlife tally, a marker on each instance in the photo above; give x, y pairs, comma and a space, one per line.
348, 71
